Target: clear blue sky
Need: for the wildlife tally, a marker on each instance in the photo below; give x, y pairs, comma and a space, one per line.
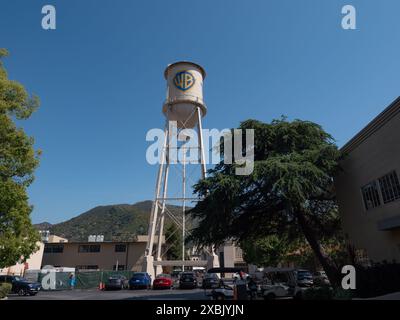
100, 79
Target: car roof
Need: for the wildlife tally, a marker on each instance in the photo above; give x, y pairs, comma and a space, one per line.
163, 275
210, 275
224, 270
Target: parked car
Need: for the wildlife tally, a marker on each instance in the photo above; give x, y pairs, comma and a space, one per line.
320, 278
187, 280
176, 273
117, 282
304, 278
21, 286
163, 281
280, 283
225, 288
210, 281
140, 280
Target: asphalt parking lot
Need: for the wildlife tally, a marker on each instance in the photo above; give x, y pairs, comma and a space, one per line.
95, 294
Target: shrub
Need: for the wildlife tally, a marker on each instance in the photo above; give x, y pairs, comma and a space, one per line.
341, 294
318, 293
5, 289
378, 279
327, 293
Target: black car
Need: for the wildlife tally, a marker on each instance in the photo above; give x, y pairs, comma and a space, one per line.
187, 280
210, 281
21, 286
117, 282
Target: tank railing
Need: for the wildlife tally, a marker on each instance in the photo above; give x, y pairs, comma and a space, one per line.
182, 97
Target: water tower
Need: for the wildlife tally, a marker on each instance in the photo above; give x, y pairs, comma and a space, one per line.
185, 106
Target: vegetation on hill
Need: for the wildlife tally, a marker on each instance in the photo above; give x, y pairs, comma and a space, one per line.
120, 222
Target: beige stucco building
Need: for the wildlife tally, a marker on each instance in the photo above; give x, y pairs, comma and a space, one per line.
368, 189
33, 263
96, 255
231, 256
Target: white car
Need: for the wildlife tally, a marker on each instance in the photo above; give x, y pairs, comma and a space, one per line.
225, 291
280, 283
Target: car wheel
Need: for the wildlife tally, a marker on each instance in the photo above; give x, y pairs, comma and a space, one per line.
33, 294
269, 296
299, 296
21, 292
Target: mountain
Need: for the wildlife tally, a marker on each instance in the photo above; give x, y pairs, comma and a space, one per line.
119, 222
43, 226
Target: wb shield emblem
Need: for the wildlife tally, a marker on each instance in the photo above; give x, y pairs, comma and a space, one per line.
184, 80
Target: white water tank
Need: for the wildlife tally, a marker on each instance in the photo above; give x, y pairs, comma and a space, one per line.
184, 93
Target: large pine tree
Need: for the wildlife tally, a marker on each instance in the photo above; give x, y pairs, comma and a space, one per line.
289, 194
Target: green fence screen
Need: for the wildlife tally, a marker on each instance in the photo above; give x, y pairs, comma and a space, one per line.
83, 279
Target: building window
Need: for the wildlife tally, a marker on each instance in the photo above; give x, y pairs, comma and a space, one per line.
86, 248
238, 254
121, 267
88, 267
371, 195
390, 187
54, 248
362, 258
120, 248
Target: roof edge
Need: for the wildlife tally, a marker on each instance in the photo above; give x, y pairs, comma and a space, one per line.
373, 126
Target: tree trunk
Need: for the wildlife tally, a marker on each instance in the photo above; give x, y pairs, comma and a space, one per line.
326, 263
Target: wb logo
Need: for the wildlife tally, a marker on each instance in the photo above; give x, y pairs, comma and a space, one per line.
184, 80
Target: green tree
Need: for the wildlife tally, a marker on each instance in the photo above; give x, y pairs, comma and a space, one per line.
266, 251
173, 239
18, 160
290, 192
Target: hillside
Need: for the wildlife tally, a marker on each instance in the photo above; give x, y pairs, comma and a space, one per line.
120, 222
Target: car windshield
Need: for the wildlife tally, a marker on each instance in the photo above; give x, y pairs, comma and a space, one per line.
187, 275
19, 279
139, 275
163, 275
304, 274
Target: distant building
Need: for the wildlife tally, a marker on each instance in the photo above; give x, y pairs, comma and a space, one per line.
231, 255
368, 188
96, 255
50, 238
56, 239
32, 263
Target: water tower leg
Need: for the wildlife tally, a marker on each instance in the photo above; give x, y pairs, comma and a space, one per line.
148, 265
212, 259
200, 136
162, 217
